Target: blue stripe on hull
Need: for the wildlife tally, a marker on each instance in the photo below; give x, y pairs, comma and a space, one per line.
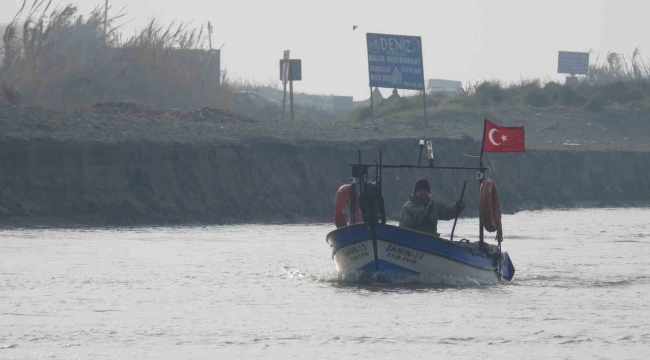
385, 266
433, 245
416, 240
347, 235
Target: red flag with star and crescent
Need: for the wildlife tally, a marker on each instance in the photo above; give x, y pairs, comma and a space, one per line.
503, 139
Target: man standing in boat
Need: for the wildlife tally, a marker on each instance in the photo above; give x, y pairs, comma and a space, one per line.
422, 213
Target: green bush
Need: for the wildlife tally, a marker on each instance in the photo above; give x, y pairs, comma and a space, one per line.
527, 86
391, 105
570, 97
553, 91
492, 90
364, 113
596, 103
615, 91
537, 98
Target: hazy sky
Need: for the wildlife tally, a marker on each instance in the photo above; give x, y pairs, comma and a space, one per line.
466, 40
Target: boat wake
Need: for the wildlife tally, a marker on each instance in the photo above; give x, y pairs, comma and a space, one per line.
383, 279
298, 274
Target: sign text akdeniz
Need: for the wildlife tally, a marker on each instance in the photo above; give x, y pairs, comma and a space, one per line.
395, 61
573, 63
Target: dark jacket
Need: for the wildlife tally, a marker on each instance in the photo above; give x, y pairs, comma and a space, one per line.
424, 217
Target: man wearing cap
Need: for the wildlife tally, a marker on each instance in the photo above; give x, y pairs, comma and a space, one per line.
422, 213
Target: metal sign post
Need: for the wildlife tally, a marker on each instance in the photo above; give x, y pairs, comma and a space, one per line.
291, 97
395, 62
372, 105
285, 76
424, 101
290, 71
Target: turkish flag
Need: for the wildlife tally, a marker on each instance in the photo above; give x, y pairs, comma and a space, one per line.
503, 139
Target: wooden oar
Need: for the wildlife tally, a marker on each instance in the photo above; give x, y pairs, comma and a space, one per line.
456, 219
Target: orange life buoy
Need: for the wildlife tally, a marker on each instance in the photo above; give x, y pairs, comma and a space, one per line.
343, 202
489, 206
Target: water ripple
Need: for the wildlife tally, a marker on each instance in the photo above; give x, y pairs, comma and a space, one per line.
212, 292
561, 281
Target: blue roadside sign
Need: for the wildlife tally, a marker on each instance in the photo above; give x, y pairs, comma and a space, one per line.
573, 63
395, 61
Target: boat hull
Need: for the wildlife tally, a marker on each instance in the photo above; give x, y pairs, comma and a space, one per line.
412, 253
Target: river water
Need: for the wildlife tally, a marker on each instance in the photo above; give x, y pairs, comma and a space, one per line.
581, 291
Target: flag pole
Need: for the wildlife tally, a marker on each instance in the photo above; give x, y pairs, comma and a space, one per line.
480, 181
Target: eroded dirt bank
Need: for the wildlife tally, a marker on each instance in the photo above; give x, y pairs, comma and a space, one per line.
52, 182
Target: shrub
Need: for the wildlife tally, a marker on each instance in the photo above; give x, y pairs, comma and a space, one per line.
553, 90
570, 97
492, 90
537, 98
364, 113
8, 94
596, 103
621, 92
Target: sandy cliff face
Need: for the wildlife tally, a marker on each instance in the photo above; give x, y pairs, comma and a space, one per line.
62, 182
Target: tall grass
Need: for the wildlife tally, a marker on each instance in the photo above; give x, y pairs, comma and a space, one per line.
619, 67
56, 58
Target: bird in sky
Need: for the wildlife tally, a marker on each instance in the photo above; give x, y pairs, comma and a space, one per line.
354, 27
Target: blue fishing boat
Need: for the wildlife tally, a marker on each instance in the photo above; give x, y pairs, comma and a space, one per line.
365, 245
388, 249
